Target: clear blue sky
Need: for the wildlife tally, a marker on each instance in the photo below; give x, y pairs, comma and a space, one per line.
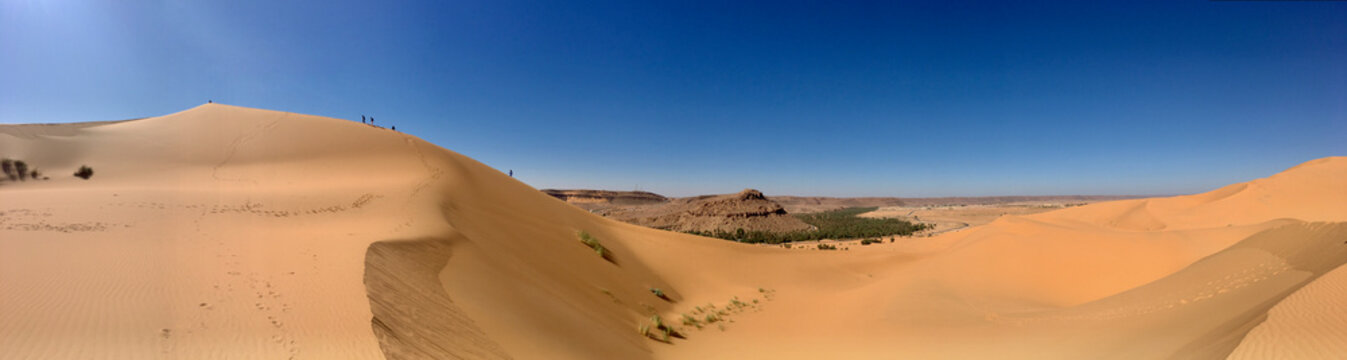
681, 98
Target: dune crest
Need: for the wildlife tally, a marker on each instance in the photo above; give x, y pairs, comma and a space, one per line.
230, 232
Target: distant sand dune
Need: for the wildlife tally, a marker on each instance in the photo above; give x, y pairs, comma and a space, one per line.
228, 232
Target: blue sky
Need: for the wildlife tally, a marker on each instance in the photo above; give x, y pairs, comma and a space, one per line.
801, 98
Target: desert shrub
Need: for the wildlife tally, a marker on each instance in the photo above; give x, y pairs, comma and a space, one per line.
22, 169
659, 293
870, 241
593, 243
661, 331
691, 321
826, 247
8, 166
84, 172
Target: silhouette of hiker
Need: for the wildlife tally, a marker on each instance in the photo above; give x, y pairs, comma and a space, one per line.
210, 101
362, 119
394, 127
511, 172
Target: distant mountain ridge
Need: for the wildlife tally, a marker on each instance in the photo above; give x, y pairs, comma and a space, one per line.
805, 204
605, 197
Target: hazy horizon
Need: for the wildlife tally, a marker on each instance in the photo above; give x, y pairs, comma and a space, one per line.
919, 99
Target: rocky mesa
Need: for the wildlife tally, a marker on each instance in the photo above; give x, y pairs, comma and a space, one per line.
749, 210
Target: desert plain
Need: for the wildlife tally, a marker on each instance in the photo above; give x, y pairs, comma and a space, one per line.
225, 232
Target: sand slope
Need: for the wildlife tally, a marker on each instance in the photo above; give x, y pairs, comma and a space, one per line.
228, 232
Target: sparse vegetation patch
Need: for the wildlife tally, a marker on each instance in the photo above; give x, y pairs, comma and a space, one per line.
17, 170
836, 224
658, 330
709, 314
85, 172
659, 294
593, 243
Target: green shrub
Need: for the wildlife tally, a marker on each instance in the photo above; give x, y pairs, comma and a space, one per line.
711, 318
663, 331
659, 293
690, 321
826, 247
593, 243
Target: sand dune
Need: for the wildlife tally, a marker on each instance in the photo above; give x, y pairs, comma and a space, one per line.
228, 232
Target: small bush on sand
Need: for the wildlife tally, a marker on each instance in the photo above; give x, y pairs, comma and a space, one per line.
691, 321
711, 318
826, 247
659, 293
8, 166
658, 330
84, 172
21, 168
593, 243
